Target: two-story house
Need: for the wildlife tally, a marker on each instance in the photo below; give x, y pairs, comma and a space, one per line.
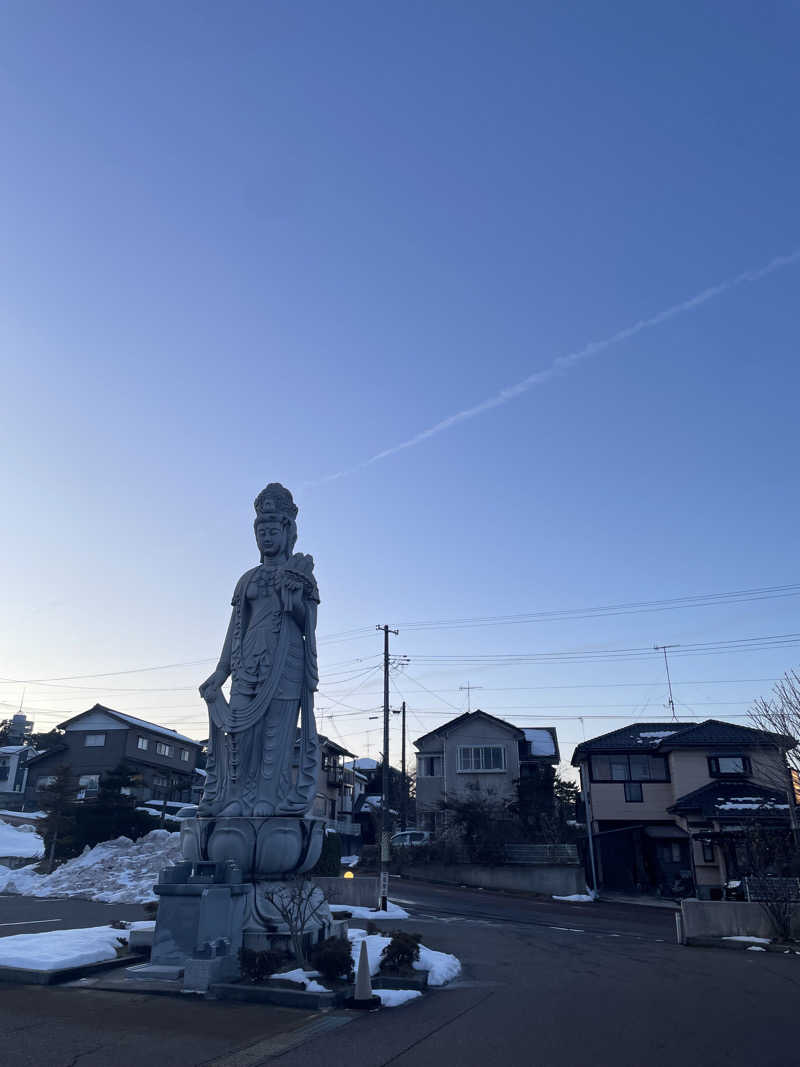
335, 793
667, 803
99, 740
477, 751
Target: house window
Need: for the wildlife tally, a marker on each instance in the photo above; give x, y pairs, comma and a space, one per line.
45, 781
634, 768
88, 786
670, 853
142, 743
708, 852
725, 766
159, 780
185, 755
633, 792
429, 766
4, 770
94, 740
162, 749
481, 758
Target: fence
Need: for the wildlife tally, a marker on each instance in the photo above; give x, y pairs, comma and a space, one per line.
766, 889
531, 854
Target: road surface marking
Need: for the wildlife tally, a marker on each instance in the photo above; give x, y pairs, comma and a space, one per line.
33, 922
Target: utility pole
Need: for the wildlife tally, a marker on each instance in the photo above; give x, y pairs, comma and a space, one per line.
468, 688
663, 648
384, 887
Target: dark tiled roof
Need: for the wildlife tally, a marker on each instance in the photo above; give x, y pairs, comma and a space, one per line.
665, 736
725, 800
459, 720
714, 732
636, 738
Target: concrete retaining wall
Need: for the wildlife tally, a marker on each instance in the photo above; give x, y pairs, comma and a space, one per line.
361, 891
540, 878
729, 918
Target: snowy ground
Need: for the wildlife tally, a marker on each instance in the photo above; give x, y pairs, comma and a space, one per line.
61, 948
115, 872
20, 842
578, 898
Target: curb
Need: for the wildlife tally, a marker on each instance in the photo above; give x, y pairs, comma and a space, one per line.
23, 976
740, 946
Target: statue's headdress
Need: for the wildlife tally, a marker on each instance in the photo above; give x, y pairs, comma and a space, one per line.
275, 501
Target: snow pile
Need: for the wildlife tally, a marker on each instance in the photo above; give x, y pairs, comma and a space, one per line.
56, 949
743, 937
441, 966
20, 841
303, 978
393, 911
393, 998
349, 861
115, 872
578, 898
755, 948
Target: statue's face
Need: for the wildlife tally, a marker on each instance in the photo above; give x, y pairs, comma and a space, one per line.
270, 537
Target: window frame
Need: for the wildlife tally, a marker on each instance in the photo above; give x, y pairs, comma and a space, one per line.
164, 749
629, 788
90, 741
610, 757
708, 852
142, 743
86, 788
461, 769
422, 763
715, 772
185, 755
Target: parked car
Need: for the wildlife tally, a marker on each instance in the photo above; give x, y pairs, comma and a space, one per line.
409, 838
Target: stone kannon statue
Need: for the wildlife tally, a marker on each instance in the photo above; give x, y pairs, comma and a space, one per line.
270, 656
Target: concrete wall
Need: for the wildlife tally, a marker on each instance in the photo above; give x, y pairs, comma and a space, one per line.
361, 891
544, 878
729, 918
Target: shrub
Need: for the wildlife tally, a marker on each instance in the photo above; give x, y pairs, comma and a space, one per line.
259, 966
401, 952
329, 864
332, 958
371, 928
150, 909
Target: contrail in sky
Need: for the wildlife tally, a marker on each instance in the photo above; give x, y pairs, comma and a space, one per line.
563, 364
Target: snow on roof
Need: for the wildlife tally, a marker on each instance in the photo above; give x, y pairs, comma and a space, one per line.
201, 772
541, 741
748, 804
10, 750
652, 737
365, 763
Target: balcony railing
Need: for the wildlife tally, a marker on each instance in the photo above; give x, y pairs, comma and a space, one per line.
344, 827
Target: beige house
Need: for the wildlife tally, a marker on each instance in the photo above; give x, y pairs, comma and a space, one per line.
477, 751
667, 803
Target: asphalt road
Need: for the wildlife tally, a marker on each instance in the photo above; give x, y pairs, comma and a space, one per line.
544, 983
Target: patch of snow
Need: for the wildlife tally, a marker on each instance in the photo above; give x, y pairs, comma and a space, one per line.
115, 872
303, 978
393, 998
156, 813
375, 943
578, 898
755, 948
393, 911
349, 861
743, 937
748, 804
20, 841
25, 814
55, 949
660, 734
441, 966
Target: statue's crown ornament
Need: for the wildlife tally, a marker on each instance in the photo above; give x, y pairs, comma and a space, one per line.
275, 500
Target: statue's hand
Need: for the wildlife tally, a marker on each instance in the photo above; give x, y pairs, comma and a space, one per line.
212, 685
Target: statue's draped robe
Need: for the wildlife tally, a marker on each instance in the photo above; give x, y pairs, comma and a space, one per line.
273, 675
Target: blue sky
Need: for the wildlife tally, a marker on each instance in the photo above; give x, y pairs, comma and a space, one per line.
269, 241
